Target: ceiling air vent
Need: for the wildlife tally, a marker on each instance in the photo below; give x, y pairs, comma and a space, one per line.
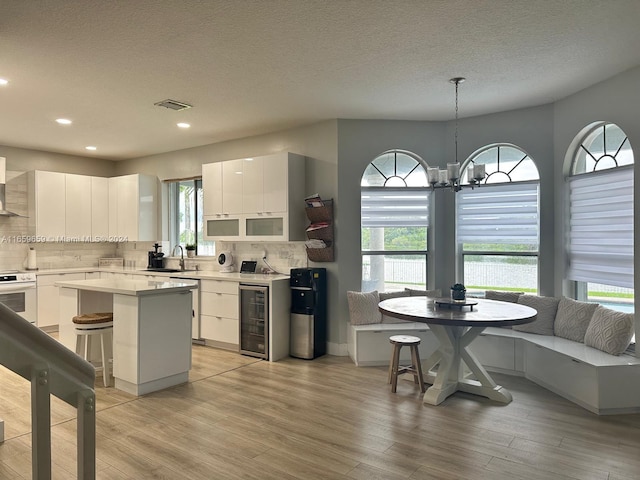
173, 104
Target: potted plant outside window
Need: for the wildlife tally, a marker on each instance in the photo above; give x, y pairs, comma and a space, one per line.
191, 250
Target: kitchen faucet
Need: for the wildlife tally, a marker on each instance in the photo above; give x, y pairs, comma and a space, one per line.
181, 256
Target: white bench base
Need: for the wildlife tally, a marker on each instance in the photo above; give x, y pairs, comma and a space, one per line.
601, 383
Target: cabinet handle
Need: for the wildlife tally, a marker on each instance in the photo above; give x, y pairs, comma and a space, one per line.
377, 331
575, 361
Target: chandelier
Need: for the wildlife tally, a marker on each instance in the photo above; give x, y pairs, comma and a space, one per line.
450, 177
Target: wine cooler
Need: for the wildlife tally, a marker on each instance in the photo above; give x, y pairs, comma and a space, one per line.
254, 321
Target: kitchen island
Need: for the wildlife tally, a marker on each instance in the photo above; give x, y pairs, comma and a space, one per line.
151, 328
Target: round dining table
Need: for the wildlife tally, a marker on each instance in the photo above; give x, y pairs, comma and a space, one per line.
455, 325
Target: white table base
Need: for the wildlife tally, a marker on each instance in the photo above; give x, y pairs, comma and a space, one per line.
451, 376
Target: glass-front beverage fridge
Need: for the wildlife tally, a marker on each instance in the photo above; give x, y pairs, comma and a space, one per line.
254, 321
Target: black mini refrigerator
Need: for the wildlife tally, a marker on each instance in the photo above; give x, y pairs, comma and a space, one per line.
308, 312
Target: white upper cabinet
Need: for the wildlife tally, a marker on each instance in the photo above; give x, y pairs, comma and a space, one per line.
47, 209
276, 183
232, 187
133, 204
252, 185
100, 208
78, 202
212, 193
261, 198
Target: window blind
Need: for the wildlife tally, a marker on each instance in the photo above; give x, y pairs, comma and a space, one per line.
505, 213
600, 239
395, 207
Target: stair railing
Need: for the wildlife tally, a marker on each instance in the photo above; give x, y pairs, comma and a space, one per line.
52, 369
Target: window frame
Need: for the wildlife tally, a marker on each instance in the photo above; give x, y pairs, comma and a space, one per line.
579, 289
462, 253
420, 163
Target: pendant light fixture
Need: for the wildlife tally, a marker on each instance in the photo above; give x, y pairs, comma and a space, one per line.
450, 177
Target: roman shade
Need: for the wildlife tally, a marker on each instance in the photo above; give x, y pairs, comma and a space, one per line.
395, 207
505, 213
600, 239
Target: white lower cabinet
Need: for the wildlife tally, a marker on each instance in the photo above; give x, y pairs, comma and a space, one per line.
564, 375
219, 312
495, 353
49, 297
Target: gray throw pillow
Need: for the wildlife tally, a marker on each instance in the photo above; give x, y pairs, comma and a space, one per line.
421, 293
573, 318
502, 296
546, 308
609, 331
363, 307
388, 295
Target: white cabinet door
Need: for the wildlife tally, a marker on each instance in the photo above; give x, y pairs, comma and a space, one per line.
276, 183
78, 211
252, 185
100, 208
212, 188
47, 205
127, 207
220, 329
48, 297
133, 207
232, 187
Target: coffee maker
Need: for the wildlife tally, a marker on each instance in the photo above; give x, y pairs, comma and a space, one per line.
156, 259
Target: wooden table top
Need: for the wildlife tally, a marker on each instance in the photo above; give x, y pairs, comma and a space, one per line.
487, 313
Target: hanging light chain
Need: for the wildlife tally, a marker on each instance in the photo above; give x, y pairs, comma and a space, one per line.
457, 81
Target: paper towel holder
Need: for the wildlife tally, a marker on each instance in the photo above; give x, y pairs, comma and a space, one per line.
31, 259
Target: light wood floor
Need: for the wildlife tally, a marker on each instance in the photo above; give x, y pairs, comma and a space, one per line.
324, 419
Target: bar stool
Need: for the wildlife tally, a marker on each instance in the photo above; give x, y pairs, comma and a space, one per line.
399, 341
88, 325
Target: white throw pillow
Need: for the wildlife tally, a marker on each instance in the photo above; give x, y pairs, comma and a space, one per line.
363, 307
546, 308
609, 331
573, 318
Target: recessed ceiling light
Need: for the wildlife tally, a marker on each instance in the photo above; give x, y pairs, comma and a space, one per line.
183, 125
91, 147
3, 81
63, 121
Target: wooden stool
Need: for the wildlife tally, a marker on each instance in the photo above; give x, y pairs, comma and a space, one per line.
89, 324
399, 341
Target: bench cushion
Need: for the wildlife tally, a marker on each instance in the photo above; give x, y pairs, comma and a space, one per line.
609, 331
572, 319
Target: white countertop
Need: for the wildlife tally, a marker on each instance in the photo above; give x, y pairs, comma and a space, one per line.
125, 286
256, 278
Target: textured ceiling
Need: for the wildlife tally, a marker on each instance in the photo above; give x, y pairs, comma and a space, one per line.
256, 66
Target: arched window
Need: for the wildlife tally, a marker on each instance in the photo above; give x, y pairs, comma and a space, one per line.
600, 235
394, 222
498, 222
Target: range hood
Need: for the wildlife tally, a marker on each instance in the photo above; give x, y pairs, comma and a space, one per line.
3, 176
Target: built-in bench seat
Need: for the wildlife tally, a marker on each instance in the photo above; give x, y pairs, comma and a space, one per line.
600, 382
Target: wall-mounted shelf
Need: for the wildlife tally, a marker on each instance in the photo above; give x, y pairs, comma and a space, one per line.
321, 228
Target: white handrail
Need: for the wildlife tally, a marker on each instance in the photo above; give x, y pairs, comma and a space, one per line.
52, 369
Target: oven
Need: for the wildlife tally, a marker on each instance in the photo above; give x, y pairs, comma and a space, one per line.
18, 292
